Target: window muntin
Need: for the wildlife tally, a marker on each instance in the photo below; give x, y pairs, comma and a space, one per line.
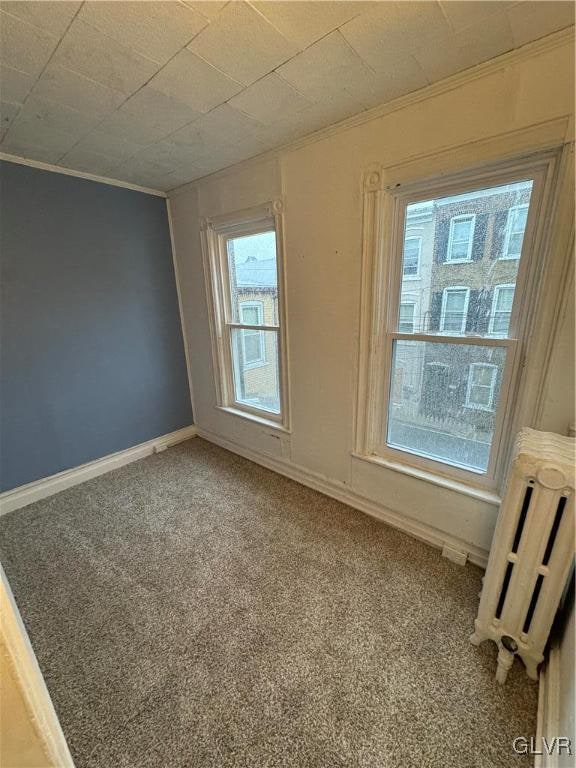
502, 302
461, 238
515, 226
244, 261
454, 309
412, 250
481, 386
465, 311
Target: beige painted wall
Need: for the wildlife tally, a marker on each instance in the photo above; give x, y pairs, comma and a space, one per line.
321, 184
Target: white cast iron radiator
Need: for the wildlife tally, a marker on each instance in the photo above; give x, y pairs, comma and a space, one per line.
532, 551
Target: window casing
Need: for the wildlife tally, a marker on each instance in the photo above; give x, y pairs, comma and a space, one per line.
243, 255
461, 238
443, 394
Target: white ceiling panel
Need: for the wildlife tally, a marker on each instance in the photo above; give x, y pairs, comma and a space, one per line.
531, 20
268, 99
223, 44
327, 67
394, 29
161, 93
90, 162
195, 82
464, 13
14, 85
208, 8
471, 46
307, 21
74, 90
50, 17
86, 50
156, 30
103, 143
23, 46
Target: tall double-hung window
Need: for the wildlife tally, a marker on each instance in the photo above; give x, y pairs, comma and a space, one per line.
463, 346
243, 258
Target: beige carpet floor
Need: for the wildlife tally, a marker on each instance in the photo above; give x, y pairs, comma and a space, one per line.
194, 609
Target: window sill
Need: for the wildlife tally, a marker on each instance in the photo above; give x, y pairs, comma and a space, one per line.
458, 486
457, 261
262, 420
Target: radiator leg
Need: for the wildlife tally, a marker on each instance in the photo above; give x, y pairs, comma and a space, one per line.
476, 638
505, 660
531, 669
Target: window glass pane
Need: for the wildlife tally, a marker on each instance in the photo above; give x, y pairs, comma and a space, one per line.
255, 369
441, 405
250, 315
253, 274
445, 240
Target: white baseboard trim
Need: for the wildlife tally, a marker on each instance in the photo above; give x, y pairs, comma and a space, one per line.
47, 486
27, 672
343, 493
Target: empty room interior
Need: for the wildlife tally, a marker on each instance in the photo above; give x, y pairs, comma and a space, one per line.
287, 394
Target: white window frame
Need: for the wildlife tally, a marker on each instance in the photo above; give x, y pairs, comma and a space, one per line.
215, 232
493, 309
453, 221
417, 275
259, 307
492, 386
455, 289
505, 255
384, 215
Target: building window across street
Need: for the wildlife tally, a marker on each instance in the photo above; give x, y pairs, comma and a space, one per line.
515, 226
481, 385
252, 340
412, 250
461, 238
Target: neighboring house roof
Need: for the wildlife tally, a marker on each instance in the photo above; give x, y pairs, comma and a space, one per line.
256, 273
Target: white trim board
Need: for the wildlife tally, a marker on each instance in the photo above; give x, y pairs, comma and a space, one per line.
23, 660
48, 486
548, 718
79, 174
426, 533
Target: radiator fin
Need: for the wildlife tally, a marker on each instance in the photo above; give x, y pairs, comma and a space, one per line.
504, 590
554, 530
533, 603
522, 518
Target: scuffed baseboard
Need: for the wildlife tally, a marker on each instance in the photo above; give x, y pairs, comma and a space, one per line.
47, 486
342, 493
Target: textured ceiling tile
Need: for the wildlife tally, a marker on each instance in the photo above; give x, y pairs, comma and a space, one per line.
8, 112
307, 21
478, 43
156, 30
188, 78
111, 146
328, 66
172, 156
394, 29
23, 46
154, 108
74, 90
464, 13
53, 17
405, 76
85, 160
41, 114
14, 146
242, 44
14, 85
268, 99
208, 8
130, 128
100, 58
197, 138
228, 125
532, 20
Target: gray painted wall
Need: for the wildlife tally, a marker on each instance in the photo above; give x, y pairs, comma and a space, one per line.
92, 357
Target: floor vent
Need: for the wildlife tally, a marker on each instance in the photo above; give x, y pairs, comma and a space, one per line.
532, 551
